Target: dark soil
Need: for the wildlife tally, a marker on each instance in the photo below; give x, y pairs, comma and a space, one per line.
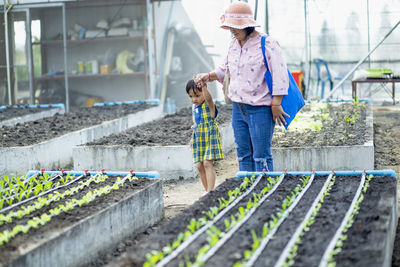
34, 132
313, 242
175, 129
9, 251
369, 228
156, 237
288, 227
328, 219
336, 131
9, 113
387, 155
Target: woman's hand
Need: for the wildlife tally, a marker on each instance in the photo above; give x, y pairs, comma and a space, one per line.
201, 79
278, 114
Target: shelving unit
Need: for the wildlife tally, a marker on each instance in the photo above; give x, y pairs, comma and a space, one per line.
62, 48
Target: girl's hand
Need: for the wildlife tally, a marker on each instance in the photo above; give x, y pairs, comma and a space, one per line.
191, 142
278, 114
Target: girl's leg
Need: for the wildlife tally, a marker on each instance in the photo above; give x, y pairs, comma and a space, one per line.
202, 173
261, 127
243, 142
210, 173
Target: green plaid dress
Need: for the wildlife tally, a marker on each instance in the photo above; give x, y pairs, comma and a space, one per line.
206, 136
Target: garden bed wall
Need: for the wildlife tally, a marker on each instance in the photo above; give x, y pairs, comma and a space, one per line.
81, 240
170, 161
325, 157
38, 113
57, 152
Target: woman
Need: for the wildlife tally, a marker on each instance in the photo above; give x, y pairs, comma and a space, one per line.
255, 111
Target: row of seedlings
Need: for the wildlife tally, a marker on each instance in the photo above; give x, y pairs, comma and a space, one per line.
223, 226
274, 225
30, 202
330, 215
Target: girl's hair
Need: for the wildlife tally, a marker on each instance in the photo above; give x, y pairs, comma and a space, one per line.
191, 85
249, 30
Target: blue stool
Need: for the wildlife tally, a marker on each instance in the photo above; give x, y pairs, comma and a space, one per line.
319, 63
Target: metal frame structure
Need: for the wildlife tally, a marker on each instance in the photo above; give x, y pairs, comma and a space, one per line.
25, 6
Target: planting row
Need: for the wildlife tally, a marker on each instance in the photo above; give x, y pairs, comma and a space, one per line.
48, 143
285, 220
34, 205
37, 131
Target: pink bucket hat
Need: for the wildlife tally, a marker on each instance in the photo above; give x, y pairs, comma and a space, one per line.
238, 15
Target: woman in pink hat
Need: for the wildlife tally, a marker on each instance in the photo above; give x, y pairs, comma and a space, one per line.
254, 110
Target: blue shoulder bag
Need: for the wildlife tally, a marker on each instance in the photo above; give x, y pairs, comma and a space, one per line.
293, 101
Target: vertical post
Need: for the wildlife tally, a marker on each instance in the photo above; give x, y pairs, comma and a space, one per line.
150, 47
30, 56
306, 44
7, 53
369, 39
65, 57
255, 10
266, 18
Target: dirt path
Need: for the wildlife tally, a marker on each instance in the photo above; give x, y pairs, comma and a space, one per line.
178, 196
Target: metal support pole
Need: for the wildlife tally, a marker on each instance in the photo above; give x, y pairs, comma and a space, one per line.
30, 55
65, 57
369, 38
255, 10
360, 62
266, 18
306, 44
150, 45
7, 53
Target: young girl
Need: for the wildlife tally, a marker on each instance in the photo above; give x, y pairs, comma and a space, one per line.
206, 140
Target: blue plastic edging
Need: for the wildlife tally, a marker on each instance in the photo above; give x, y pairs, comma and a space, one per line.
58, 105
338, 100
149, 174
149, 101
389, 172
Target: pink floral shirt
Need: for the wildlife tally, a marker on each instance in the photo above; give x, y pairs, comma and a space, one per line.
246, 66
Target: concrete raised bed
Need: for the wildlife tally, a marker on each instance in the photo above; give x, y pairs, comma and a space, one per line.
170, 161
356, 157
81, 242
34, 116
57, 153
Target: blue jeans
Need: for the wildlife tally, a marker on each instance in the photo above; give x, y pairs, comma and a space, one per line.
253, 127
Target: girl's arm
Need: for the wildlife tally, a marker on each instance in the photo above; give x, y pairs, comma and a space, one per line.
209, 100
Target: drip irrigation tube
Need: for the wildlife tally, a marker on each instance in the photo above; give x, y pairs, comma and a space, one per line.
268, 237
332, 243
229, 234
119, 103
13, 196
193, 237
41, 194
149, 174
302, 225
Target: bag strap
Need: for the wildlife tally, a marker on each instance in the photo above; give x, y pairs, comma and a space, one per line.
267, 74
263, 50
